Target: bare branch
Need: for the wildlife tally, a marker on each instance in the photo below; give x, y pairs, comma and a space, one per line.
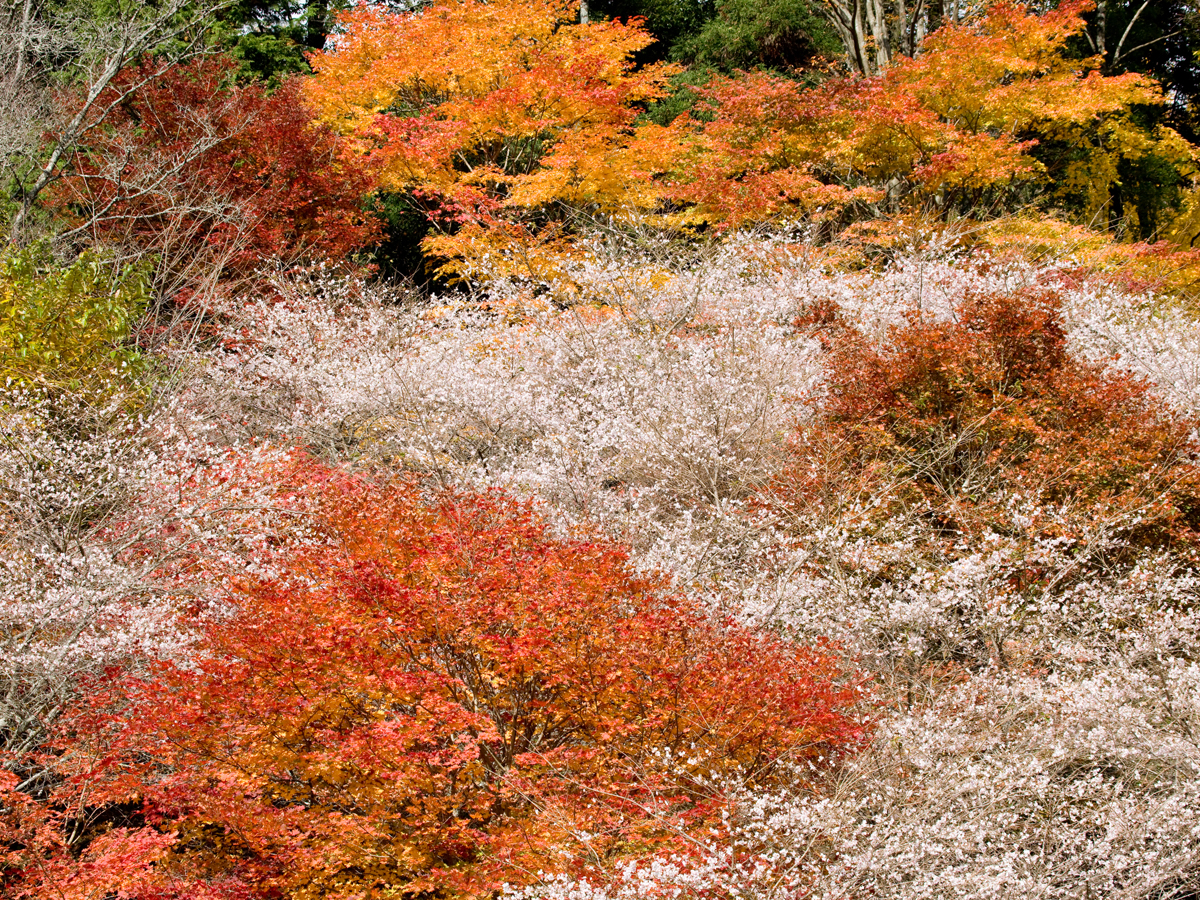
100, 51
1128, 28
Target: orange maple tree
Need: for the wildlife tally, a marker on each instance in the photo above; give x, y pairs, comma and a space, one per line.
956, 127
434, 696
508, 119
497, 115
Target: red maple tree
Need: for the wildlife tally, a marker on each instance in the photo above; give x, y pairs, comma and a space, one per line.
436, 696
204, 172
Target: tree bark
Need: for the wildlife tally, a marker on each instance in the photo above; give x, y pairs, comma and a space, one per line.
874, 32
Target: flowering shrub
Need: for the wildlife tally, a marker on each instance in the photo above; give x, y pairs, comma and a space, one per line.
972, 474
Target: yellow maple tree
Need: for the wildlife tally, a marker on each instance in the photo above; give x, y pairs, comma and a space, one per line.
503, 118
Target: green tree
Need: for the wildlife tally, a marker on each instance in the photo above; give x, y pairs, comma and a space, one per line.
271, 37
672, 22
774, 34
729, 34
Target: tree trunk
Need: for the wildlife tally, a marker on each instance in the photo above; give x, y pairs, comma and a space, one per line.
863, 26
937, 14
874, 32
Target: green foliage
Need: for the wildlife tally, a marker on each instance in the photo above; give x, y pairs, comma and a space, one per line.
672, 22
684, 97
729, 34
1147, 195
405, 225
96, 29
773, 34
268, 57
67, 328
270, 38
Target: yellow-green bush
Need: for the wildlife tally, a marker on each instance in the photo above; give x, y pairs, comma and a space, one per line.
67, 328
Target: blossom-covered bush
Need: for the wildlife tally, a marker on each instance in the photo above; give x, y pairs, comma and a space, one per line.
972, 477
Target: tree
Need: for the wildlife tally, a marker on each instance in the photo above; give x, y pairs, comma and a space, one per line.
1155, 39
785, 35
988, 112
877, 32
501, 118
433, 695
88, 45
1009, 80
730, 34
671, 22
212, 177
270, 37
1145, 36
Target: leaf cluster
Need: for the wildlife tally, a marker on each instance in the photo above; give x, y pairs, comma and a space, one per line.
68, 328
989, 113
784, 35
497, 115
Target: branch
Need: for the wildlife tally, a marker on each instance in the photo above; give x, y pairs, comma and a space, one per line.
1164, 37
1128, 28
133, 41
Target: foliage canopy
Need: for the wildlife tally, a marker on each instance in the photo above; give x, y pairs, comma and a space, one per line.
437, 697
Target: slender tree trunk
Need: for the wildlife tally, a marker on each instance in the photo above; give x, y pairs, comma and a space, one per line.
881, 20
27, 12
899, 39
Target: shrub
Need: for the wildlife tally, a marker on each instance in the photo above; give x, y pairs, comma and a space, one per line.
434, 696
959, 416
67, 328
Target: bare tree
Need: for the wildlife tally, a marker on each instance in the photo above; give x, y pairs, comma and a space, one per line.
875, 32
24, 103
43, 45
1116, 44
